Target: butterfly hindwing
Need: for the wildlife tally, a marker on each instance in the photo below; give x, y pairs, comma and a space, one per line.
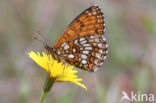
87, 52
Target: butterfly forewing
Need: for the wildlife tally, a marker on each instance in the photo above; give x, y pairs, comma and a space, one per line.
82, 44
89, 22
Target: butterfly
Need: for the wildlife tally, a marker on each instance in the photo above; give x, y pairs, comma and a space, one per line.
82, 44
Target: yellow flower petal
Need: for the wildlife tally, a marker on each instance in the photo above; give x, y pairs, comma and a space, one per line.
58, 70
42, 61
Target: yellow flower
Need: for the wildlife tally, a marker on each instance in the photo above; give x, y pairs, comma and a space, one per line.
57, 70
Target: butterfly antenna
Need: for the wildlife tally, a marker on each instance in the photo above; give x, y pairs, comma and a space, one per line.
35, 38
43, 39
39, 33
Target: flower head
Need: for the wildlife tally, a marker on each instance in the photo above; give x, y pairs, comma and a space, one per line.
57, 70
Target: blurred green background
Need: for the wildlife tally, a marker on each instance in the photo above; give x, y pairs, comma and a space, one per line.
130, 66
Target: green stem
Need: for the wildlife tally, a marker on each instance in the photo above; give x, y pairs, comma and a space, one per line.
43, 95
48, 84
46, 88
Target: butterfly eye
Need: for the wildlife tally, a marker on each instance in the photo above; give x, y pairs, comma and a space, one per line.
47, 48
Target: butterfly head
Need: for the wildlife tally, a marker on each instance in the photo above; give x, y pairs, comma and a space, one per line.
47, 48
51, 51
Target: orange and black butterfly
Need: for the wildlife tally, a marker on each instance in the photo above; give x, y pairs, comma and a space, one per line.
82, 44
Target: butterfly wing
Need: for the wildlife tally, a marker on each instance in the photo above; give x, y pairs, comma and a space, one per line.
89, 22
82, 44
87, 52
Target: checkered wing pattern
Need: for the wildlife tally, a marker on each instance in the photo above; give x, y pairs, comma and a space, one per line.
87, 52
83, 44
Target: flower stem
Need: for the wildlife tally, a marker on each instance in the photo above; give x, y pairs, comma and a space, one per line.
48, 84
43, 95
46, 88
